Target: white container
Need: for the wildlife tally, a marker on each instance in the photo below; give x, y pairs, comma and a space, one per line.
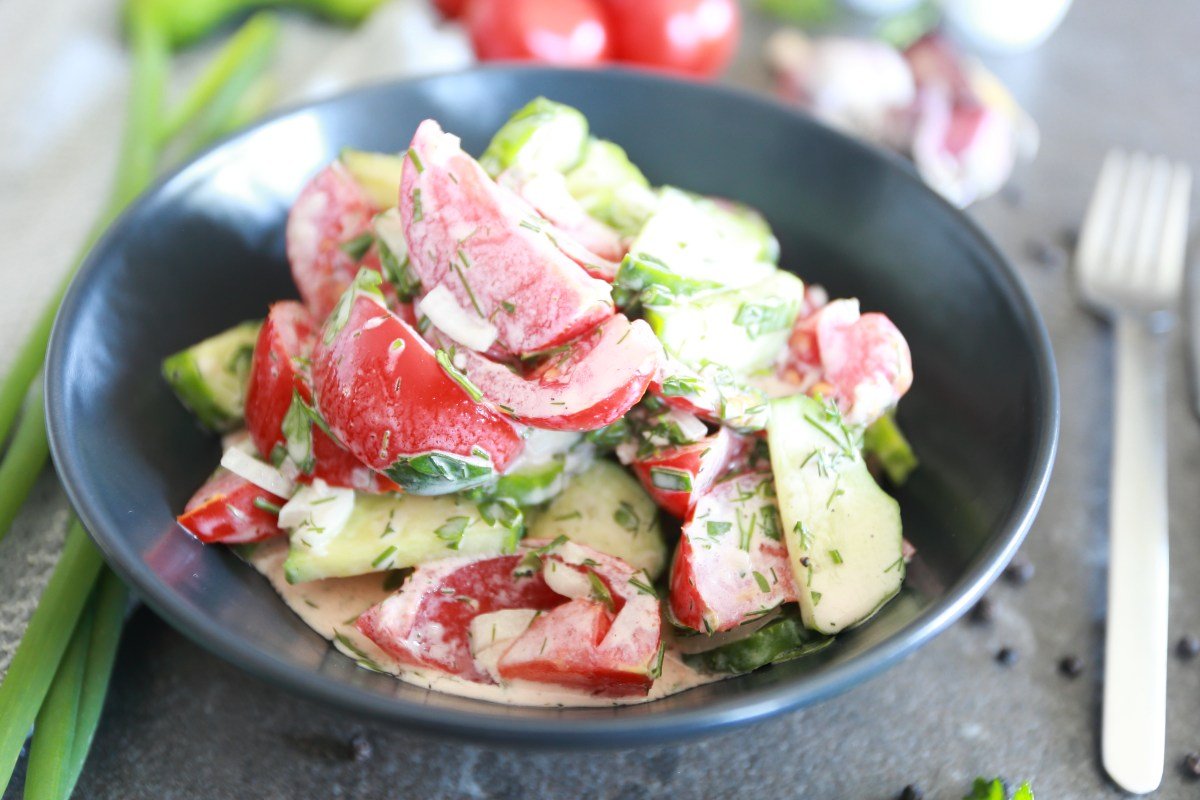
1004, 26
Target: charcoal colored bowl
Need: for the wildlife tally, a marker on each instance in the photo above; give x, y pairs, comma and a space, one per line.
204, 249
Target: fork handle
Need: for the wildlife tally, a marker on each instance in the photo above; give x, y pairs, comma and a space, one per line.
1135, 653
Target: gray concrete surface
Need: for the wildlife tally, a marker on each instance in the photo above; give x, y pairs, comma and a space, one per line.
182, 724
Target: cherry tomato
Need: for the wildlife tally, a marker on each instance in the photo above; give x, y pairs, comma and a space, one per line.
490, 251
231, 510
275, 377
451, 9
555, 31
386, 397
325, 227
694, 37
703, 462
591, 383
731, 564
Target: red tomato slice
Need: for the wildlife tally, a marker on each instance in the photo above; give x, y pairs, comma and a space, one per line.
555, 31
331, 211
607, 646
731, 565
384, 395
702, 463
426, 623
481, 242
861, 361
600, 247
223, 510
696, 37
593, 382
287, 335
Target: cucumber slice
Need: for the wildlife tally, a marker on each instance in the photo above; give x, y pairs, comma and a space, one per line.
377, 173
534, 484
743, 329
691, 244
611, 189
210, 377
783, 639
386, 532
887, 445
842, 531
606, 508
542, 135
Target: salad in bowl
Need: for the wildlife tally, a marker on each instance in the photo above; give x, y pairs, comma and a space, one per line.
541, 433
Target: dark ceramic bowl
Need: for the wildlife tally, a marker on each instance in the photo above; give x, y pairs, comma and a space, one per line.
205, 249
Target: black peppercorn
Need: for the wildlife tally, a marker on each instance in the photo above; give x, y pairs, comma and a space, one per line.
1019, 572
360, 748
1070, 666
1006, 656
911, 792
1188, 647
983, 612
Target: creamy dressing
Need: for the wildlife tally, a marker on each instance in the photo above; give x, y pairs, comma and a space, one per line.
331, 606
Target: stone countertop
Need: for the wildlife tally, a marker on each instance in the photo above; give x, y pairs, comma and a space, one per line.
181, 724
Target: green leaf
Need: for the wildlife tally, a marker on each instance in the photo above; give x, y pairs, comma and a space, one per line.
984, 789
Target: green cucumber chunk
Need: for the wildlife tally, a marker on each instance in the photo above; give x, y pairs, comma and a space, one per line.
842, 531
887, 445
780, 640
611, 188
606, 508
377, 173
691, 244
543, 135
390, 531
210, 377
743, 329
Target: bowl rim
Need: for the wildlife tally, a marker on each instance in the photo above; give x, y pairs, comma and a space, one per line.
610, 730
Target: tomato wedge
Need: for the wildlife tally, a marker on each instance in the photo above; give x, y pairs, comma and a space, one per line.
592, 382
608, 643
231, 510
426, 622
498, 259
601, 247
385, 396
325, 231
677, 476
285, 339
731, 565
860, 360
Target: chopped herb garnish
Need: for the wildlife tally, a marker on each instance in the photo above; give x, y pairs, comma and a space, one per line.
761, 581
358, 246
263, 504
576, 514
835, 556
471, 294
383, 556
657, 669
716, 529
763, 317
452, 531
771, 526
680, 386
416, 160
671, 479
397, 345
508, 307
626, 517
418, 213
806, 537
816, 598
363, 659
446, 361
600, 591
643, 585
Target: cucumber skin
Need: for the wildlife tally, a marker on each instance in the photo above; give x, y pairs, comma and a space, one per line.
506, 146
183, 374
781, 640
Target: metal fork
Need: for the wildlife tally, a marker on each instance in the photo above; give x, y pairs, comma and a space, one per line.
1129, 264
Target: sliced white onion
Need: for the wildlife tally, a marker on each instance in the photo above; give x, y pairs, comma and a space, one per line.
317, 513
450, 318
565, 580
490, 635
390, 230
260, 473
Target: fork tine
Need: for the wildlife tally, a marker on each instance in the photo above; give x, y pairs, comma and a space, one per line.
1169, 270
1098, 222
1119, 266
1144, 262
